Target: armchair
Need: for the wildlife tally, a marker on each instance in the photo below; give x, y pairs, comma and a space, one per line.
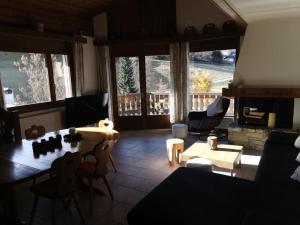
200, 121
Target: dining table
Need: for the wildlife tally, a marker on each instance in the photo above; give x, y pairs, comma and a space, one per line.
20, 163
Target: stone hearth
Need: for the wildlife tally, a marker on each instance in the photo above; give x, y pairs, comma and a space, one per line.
250, 138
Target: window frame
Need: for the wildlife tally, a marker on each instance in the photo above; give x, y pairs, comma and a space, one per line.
53, 103
218, 44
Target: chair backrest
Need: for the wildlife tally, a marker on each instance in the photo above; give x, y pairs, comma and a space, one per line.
9, 127
226, 103
64, 169
101, 154
35, 131
106, 124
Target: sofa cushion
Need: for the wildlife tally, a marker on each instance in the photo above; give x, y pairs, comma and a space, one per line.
282, 138
194, 197
297, 142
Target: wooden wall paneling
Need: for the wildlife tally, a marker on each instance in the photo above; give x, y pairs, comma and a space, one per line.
142, 19
124, 19
158, 18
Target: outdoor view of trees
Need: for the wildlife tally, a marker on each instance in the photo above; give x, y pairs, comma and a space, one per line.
210, 71
126, 76
36, 89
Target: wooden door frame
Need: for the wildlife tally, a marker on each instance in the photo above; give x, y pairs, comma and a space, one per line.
140, 50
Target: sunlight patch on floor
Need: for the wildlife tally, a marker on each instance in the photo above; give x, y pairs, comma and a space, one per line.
250, 160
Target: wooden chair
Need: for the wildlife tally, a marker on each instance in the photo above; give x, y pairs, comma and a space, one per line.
108, 124
35, 131
9, 127
92, 170
62, 185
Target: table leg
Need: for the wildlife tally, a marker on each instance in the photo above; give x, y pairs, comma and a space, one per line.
231, 172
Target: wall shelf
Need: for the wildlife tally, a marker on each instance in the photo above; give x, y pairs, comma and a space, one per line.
179, 38
27, 33
262, 92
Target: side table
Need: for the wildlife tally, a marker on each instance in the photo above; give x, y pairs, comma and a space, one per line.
175, 147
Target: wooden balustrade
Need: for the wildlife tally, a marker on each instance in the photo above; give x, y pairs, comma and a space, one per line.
129, 104
158, 103
200, 101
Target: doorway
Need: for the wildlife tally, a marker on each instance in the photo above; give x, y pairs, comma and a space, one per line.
141, 81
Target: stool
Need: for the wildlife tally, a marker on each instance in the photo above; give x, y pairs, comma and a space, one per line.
175, 147
179, 130
200, 163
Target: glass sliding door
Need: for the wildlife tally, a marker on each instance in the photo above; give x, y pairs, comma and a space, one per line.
141, 86
158, 84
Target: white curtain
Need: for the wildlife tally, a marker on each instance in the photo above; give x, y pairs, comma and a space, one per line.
179, 73
184, 70
175, 80
79, 68
104, 74
2, 95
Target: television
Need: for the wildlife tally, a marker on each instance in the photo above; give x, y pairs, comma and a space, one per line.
85, 110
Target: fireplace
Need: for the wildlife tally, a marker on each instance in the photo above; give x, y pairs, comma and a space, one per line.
255, 111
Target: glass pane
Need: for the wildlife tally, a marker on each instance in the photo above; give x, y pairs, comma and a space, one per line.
62, 76
210, 71
128, 86
24, 78
158, 84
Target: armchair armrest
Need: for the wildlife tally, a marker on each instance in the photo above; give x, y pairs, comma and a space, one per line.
197, 115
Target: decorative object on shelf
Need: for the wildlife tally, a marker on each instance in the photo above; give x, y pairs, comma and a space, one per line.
271, 120
45, 146
190, 31
209, 28
106, 124
229, 26
212, 142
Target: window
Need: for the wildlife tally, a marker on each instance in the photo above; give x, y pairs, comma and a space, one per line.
128, 86
62, 76
158, 84
209, 72
25, 78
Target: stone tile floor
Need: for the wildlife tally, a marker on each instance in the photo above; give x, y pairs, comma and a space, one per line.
142, 164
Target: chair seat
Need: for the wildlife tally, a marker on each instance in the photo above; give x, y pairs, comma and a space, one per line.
49, 189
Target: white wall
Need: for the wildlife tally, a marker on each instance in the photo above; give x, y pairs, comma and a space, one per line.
270, 56
197, 13
90, 72
53, 119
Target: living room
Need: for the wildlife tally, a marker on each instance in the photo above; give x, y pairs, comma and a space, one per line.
143, 77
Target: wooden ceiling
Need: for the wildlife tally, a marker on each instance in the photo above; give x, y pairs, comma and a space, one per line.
62, 16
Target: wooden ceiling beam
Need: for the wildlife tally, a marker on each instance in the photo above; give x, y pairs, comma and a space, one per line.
227, 9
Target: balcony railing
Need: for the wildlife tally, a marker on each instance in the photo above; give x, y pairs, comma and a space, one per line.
200, 101
158, 103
